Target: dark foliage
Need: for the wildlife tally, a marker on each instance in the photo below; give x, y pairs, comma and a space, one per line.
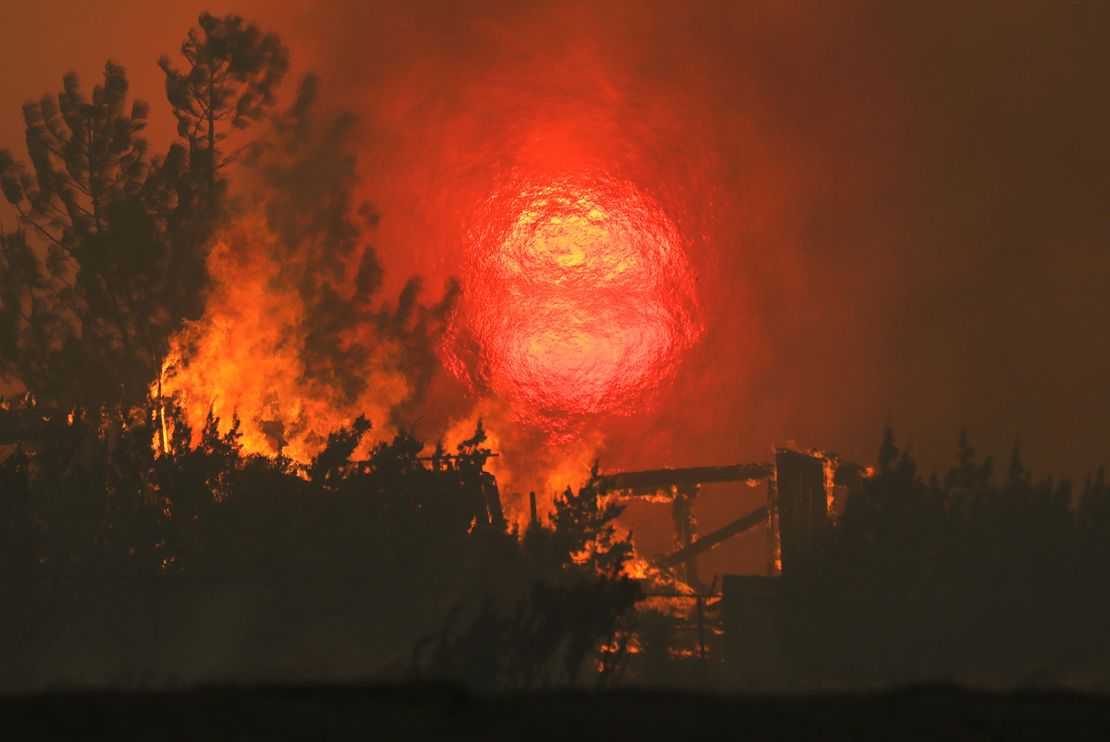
86, 497
542, 640
108, 257
970, 575
233, 70
578, 602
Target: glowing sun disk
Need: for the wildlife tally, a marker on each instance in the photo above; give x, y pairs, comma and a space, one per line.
578, 299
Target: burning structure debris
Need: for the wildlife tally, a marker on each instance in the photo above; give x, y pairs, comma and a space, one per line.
798, 490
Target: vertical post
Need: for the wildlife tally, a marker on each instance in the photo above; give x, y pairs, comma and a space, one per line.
774, 551
682, 512
535, 520
162, 415
802, 504
701, 630
494, 514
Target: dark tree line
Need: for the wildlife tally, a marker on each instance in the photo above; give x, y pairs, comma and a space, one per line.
975, 574
92, 499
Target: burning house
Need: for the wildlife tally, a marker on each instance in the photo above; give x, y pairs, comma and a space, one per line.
801, 493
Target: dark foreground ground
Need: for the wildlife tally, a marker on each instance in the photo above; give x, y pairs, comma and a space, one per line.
443, 712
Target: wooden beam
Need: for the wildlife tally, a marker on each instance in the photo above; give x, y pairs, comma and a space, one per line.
709, 540
644, 483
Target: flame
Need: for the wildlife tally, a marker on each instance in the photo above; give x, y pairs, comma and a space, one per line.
774, 566
246, 355
829, 463
637, 568
526, 463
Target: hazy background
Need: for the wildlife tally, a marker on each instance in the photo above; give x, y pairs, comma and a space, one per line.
895, 214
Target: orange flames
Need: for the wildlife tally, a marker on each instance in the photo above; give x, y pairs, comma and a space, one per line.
246, 358
246, 355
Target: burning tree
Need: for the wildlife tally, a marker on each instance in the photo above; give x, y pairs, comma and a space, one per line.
295, 336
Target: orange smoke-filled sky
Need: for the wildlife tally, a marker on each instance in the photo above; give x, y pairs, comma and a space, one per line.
891, 214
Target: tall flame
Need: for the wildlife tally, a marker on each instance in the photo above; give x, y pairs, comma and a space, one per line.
247, 357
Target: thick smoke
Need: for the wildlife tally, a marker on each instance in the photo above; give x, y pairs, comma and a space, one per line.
893, 214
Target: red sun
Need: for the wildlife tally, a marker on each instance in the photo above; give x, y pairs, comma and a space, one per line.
578, 301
